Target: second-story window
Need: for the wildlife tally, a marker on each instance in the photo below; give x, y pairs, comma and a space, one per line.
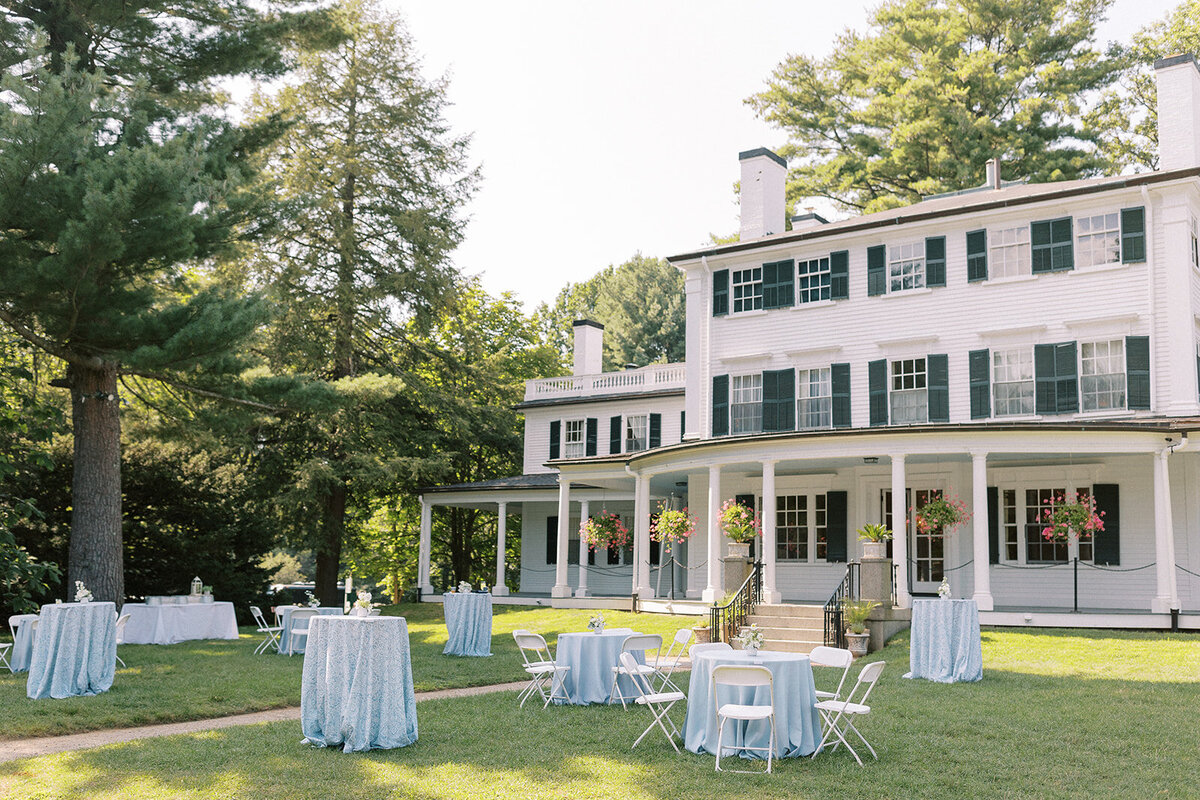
1102, 375
906, 266
1098, 240
745, 408
574, 444
812, 280
637, 432
909, 400
814, 399
1008, 252
747, 289
1012, 382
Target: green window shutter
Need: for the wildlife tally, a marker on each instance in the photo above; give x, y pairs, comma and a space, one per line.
977, 256
1044, 384
682, 426
1137, 372
592, 435
1106, 545
876, 270
993, 512
768, 401
979, 362
935, 261
937, 387
551, 540
1133, 235
877, 395
720, 405
720, 292
1050, 245
779, 400
1066, 372
835, 527
656, 430
555, 438
839, 380
779, 284
839, 275
614, 435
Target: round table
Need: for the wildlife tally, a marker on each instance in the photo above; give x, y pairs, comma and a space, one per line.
468, 623
797, 723
945, 645
75, 651
591, 657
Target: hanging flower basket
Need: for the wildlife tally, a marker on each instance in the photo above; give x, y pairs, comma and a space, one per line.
671, 526
940, 515
739, 522
604, 531
1070, 520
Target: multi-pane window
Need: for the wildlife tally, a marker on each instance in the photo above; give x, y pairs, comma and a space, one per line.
574, 445
906, 266
1102, 375
1098, 240
909, 399
814, 399
820, 527
747, 289
745, 408
791, 527
637, 432
1008, 520
1037, 547
812, 280
1012, 382
1008, 252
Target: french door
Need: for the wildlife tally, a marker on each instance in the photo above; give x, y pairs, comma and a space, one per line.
926, 551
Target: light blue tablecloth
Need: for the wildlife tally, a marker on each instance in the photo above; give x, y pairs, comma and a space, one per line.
591, 657
797, 723
285, 620
75, 651
945, 643
469, 622
23, 643
357, 686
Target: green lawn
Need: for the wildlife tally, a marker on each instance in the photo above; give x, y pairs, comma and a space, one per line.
198, 680
1059, 714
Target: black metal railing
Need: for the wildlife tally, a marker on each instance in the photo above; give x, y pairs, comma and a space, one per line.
726, 621
835, 630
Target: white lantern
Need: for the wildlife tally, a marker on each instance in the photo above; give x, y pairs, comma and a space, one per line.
197, 586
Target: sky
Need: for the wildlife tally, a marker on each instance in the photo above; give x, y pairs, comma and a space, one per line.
609, 128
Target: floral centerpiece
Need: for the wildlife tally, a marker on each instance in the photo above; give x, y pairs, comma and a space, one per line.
313, 601
739, 522
1066, 520
464, 587
596, 623
944, 590
82, 595
940, 515
362, 606
751, 638
605, 530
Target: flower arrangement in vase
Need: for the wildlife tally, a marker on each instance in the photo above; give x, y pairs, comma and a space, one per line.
1076, 519
944, 589
604, 531
596, 623
939, 515
752, 639
82, 594
313, 601
464, 587
362, 606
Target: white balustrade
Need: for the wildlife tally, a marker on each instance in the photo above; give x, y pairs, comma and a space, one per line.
656, 376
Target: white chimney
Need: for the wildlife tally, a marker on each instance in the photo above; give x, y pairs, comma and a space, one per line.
809, 219
589, 347
764, 179
1178, 112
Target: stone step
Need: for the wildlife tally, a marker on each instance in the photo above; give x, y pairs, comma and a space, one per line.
792, 632
788, 610
792, 646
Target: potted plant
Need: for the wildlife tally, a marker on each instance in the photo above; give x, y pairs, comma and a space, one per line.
603, 531
874, 539
703, 632
939, 515
741, 525
854, 616
1071, 520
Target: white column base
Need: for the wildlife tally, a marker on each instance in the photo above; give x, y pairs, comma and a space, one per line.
646, 593
772, 596
1161, 605
711, 595
500, 591
582, 593
427, 589
560, 591
984, 601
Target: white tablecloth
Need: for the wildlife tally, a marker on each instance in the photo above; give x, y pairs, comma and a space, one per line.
945, 645
591, 657
75, 651
176, 623
468, 623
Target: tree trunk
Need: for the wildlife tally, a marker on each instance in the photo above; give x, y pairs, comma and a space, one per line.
96, 551
329, 553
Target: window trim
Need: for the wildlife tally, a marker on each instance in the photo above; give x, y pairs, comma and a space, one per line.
828, 398
737, 304
733, 404
913, 391
811, 541
566, 432
625, 417
1026, 350
917, 262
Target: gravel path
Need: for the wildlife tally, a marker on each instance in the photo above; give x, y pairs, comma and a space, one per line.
27, 748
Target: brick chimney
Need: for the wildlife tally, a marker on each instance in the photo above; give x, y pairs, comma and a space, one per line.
589, 347
1178, 112
764, 179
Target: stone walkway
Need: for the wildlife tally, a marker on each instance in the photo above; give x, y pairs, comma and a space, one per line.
27, 748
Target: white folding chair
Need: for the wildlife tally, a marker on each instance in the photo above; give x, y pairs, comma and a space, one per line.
296, 630
4, 648
839, 714
709, 647
659, 703
679, 646
638, 643
16, 620
743, 677
834, 658
271, 637
122, 621
541, 668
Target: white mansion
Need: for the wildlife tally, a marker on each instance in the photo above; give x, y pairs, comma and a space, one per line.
1005, 344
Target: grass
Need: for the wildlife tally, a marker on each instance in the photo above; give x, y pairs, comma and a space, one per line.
204, 679
1068, 714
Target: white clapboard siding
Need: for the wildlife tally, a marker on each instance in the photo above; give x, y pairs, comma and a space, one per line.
537, 423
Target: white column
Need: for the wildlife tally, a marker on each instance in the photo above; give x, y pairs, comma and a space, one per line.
770, 593
582, 591
561, 588
501, 588
424, 551
641, 535
900, 529
981, 554
712, 592
1164, 539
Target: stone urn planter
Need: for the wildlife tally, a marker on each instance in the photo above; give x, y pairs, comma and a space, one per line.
703, 635
874, 551
739, 549
857, 643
